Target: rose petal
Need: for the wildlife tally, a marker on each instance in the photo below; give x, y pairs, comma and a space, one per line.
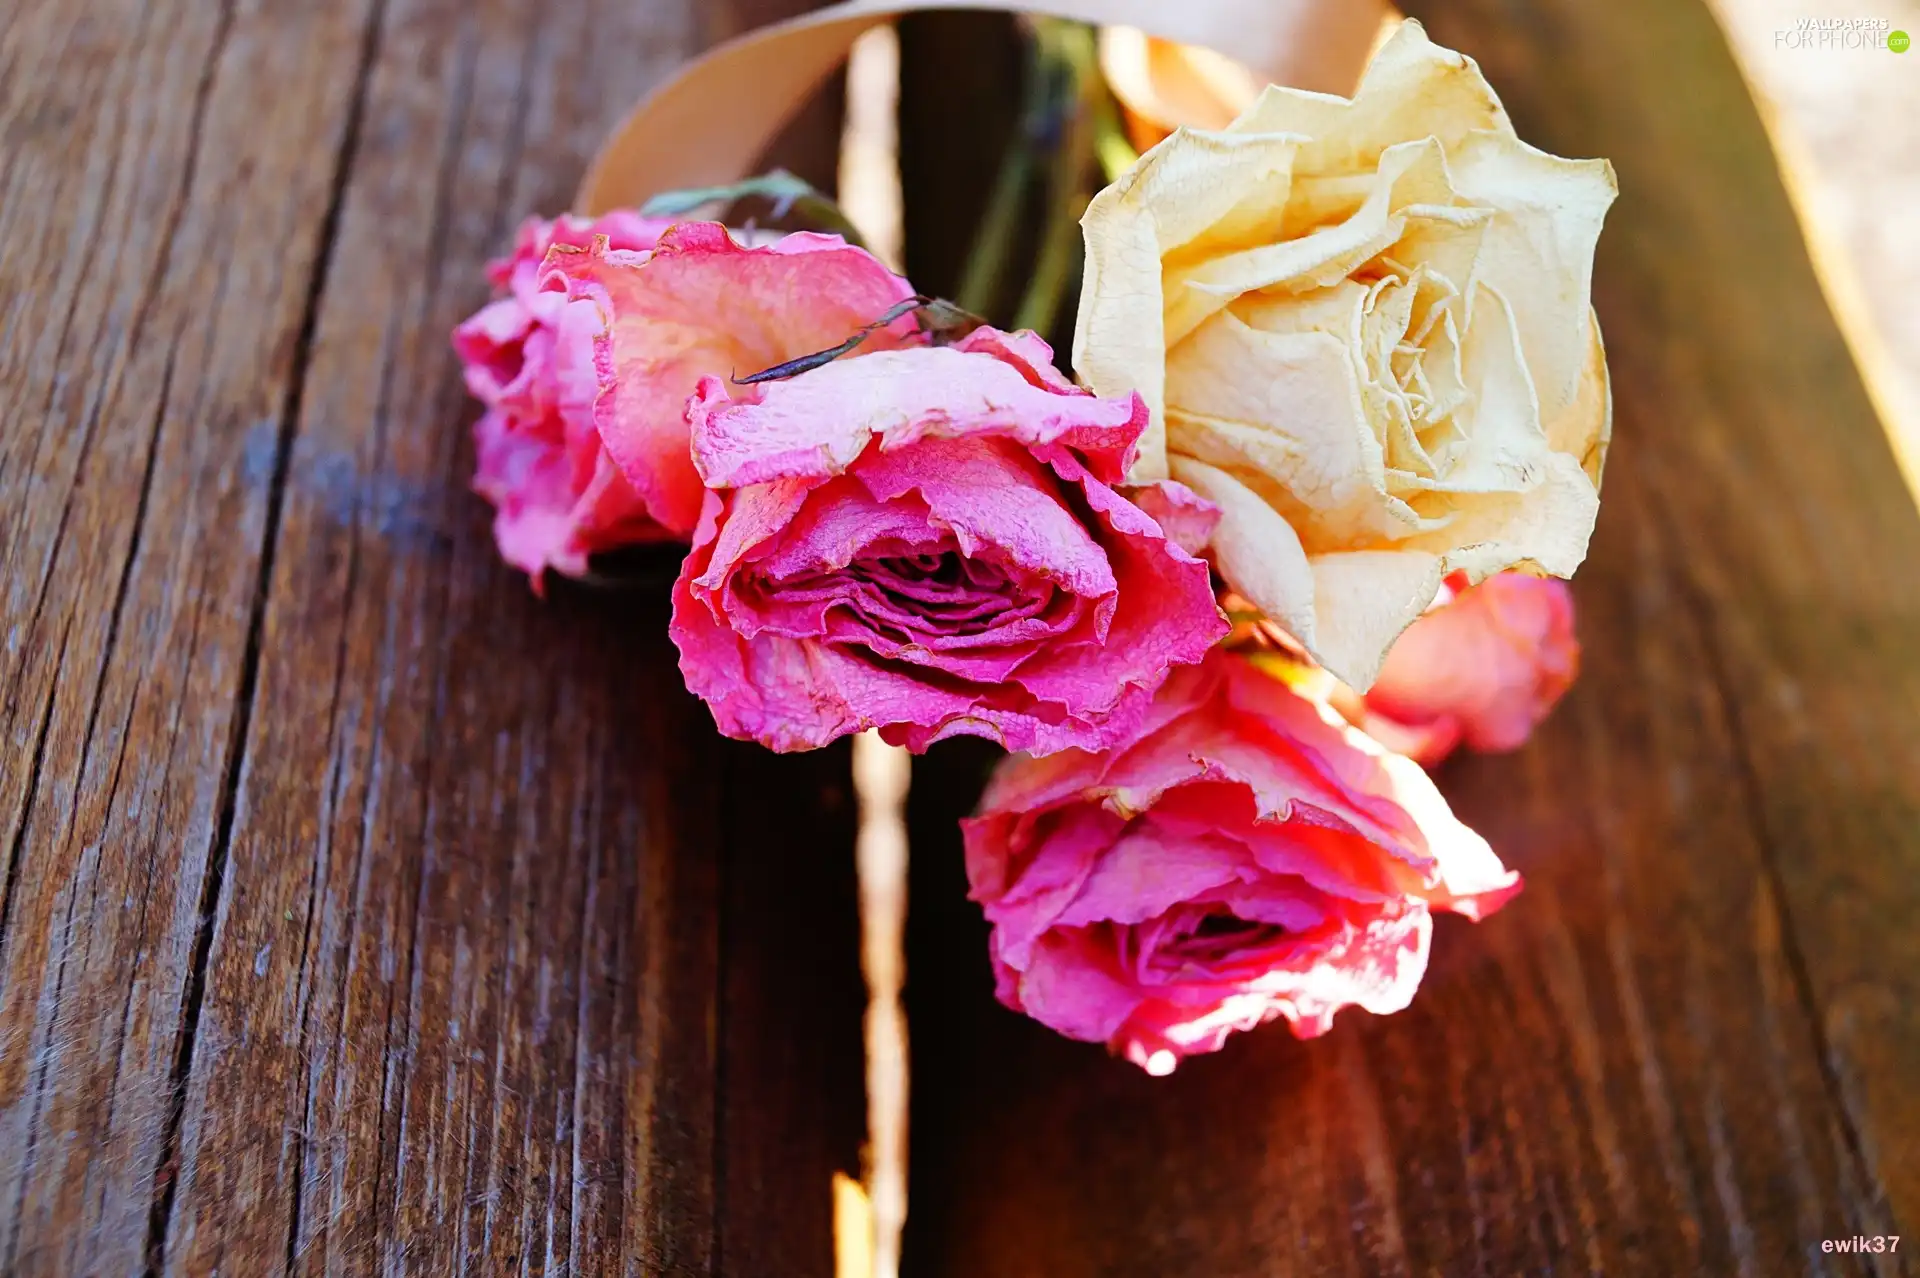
1240, 855
817, 424
1061, 609
702, 305
1486, 668
1187, 518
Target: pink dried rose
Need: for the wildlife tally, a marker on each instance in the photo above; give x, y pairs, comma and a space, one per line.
928, 541
587, 364
507, 346
1483, 669
703, 305
1242, 854
556, 496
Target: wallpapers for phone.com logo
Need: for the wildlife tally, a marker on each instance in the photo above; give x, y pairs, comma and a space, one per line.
1838, 34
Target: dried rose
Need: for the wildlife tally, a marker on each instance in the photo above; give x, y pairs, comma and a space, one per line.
1482, 670
557, 498
928, 541
1242, 854
587, 365
1364, 331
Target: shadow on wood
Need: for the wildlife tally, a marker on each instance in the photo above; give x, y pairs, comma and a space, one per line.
1684, 1049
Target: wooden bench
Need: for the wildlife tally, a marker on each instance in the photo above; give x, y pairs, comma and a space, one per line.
363, 914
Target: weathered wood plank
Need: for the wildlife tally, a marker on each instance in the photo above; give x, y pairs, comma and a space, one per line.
793, 1108
157, 238
489, 1015
396, 920
1688, 1047
1798, 545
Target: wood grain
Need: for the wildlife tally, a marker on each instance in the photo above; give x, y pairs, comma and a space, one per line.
1689, 1046
158, 237
361, 912
1794, 542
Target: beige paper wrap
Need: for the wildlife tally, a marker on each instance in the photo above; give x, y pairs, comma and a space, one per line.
709, 124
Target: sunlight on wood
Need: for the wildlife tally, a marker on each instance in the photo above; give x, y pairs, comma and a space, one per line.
869, 1219
881, 774
869, 150
1845, 124
852, 1228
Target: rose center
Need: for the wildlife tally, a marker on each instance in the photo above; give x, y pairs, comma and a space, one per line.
1219, 931
945, 592
1410, 330
1194, 936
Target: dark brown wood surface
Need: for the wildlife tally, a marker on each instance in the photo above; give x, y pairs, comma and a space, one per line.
1691, 1046
359, 913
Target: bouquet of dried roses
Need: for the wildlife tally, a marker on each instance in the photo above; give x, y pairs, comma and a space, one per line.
1295, 531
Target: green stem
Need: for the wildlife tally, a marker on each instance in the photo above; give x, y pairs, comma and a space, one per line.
1071, 46
981, 279
1110, 140
1053, 270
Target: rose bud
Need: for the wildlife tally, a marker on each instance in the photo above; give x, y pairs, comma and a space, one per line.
587, 364
506, 347
928, 541
557, 498
1241, 854
1482, 669
1363, 330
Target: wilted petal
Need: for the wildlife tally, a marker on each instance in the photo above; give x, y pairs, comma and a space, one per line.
1240, 855
1187, 518
552, 509
702, 305
1483, 669
819, 423
918, 541
1363, 326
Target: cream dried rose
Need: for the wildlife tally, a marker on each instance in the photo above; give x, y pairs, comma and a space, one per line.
1363, 329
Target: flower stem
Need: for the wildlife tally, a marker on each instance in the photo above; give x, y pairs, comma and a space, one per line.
1069, 47
1110, 141
938, 320
983, 277
986, 266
